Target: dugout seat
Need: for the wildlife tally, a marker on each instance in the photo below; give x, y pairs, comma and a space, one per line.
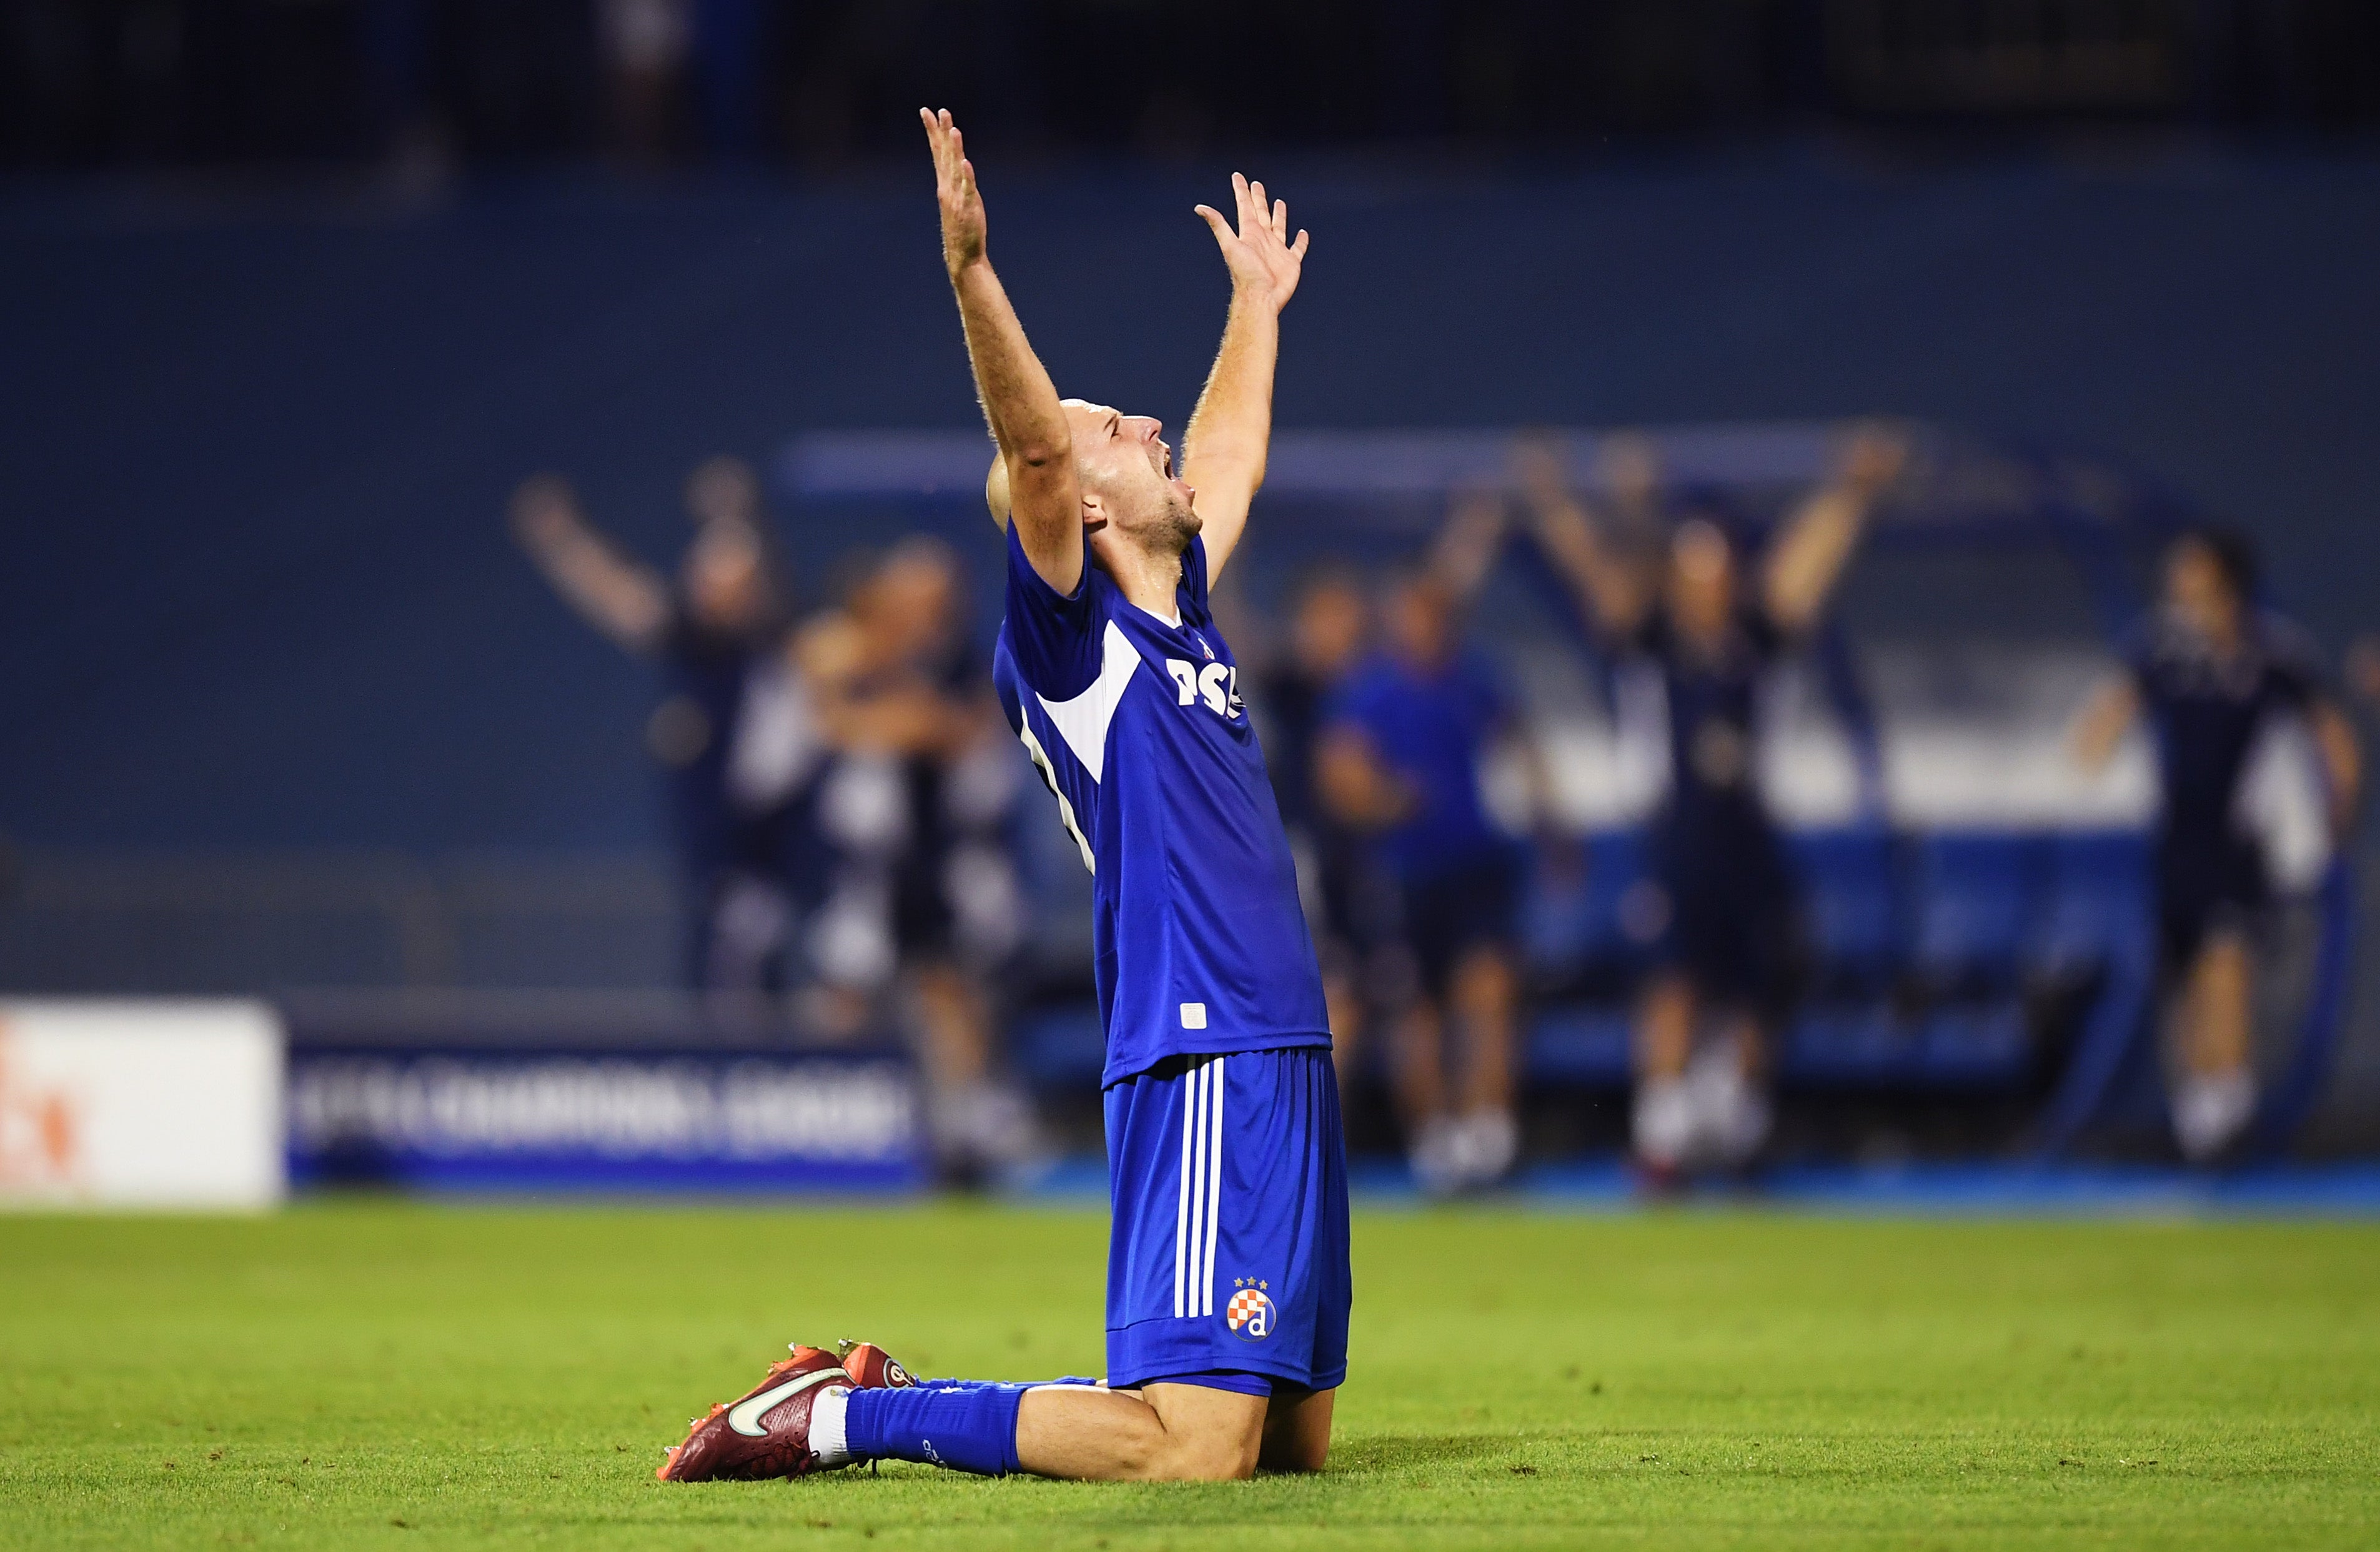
1579, 1045
1963, 1045
1973, 1046
1852, 907
1574, 920
2096, 902
1843, 1046
1975, 898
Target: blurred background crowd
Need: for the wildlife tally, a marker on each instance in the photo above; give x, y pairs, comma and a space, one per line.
1897, 747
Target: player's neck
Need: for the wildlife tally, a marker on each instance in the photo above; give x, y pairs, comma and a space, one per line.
1147, 579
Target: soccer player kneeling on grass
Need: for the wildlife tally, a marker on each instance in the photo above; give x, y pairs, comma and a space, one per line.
1228, 1285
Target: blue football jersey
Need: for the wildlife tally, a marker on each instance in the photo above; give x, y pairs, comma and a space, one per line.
1136, 724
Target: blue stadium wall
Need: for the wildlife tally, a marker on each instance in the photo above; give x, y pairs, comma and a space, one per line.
255, 445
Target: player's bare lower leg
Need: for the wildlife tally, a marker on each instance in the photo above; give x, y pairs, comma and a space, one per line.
1661, 1121
2220, 984
1484, 991
1420, 1052
1297, 1431
1487, 994
1664, 1028
1348, 1026
2216, 1095
1733, 1103
1170, 1433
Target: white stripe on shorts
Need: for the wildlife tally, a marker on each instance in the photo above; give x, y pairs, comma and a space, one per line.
1197, 1213
1214, 1186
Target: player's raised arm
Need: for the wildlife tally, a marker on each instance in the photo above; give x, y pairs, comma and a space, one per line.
1020, 403
2099, 727
2342, 760
1225, 443
618, 596
1613, 594
1468, 542
1810, 555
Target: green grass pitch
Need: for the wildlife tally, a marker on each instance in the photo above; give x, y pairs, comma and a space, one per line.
380, 1376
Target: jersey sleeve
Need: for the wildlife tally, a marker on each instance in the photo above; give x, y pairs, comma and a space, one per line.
1053, 637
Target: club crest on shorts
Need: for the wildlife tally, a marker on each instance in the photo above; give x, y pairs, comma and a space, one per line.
1250, 1313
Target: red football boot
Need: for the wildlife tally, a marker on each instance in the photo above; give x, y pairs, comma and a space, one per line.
872, 1368
767, 1434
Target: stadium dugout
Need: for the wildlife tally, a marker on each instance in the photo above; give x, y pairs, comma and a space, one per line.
1977, 906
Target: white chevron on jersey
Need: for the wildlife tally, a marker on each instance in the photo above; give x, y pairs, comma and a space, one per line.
1083, 721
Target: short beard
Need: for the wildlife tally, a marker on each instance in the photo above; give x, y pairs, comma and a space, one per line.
1170, 533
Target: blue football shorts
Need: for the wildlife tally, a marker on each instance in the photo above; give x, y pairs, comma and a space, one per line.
1228, 1253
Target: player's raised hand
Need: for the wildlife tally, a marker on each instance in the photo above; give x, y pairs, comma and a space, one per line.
1541, 470
962, 203
1874, 458
544, 512
1263, 260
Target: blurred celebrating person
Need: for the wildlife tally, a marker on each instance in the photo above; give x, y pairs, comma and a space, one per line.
1228, 1279
1399, 763
1330, 620
2211, 672
1728, 947
736, 732
915, 808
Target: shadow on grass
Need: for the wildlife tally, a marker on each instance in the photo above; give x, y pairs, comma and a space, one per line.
1386, 1454
917, 1496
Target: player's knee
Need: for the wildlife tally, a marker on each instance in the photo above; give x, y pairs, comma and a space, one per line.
1216, 1454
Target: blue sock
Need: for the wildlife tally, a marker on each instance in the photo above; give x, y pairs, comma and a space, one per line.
968, 1427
